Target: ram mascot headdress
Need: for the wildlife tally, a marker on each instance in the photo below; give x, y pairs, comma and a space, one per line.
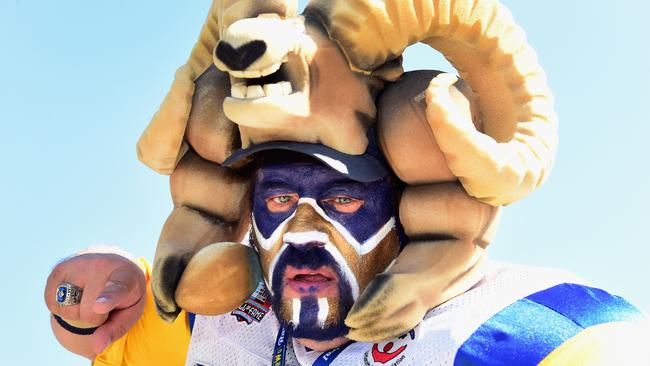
260, 73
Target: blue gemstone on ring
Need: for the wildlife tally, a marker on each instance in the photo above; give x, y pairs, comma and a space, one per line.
61, 293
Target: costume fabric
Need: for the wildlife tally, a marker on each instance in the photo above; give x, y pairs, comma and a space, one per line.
151, 341
516, 315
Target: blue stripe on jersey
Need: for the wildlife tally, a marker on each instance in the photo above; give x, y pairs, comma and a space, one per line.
525, 332
522, 326
585, 305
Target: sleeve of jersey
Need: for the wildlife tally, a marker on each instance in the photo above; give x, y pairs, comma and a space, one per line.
617, 343
151, 341
567, 324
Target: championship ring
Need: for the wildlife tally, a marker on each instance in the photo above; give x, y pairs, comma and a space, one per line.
68, 294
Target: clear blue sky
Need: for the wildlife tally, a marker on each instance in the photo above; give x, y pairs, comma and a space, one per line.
79, 81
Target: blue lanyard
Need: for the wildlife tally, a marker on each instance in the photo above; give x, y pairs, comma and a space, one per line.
280, 351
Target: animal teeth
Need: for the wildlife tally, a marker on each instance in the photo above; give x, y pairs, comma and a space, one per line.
269, 16
272, 89
238, 90
285, 58
241, 91
254, 91
286, 87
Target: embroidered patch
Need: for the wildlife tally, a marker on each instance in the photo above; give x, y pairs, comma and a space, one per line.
390, 353
256, 307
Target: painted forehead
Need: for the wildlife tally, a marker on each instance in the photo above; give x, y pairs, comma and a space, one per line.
320, 183
303, 176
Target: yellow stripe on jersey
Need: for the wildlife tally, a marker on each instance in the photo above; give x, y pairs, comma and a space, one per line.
151, 341
615, 343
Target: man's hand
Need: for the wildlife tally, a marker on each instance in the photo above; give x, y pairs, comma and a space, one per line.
113, 299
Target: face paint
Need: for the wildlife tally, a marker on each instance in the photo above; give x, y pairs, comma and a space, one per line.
311, 293
321, 238
321, 183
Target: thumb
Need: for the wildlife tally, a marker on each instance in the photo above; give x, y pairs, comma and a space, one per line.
118, 324
124, 288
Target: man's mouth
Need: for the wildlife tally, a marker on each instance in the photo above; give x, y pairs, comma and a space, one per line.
320, 282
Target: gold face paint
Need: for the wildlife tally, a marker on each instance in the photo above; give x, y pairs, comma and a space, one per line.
307, 220
321, 239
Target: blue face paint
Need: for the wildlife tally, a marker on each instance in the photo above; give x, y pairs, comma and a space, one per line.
308, 327
314, 227
320, 183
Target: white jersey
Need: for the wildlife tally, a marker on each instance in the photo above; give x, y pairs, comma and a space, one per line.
248, 335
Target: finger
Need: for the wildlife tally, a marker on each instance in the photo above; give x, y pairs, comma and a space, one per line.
118, 324
92, 291
56, 277
78, 271
124, 288
70, 312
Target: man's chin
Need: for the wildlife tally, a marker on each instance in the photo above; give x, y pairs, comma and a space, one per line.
309, 317
310, 294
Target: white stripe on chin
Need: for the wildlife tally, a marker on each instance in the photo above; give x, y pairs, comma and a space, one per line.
323, 311
295, 316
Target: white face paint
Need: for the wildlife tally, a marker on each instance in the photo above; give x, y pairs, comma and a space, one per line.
361, 248
304, 237
296, 304
323, 311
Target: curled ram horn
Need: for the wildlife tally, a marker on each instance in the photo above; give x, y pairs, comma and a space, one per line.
197, 221
163, 144
447, 229
514, 152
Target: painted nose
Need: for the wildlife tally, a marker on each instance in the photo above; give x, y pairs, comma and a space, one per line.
240, 58
306, 218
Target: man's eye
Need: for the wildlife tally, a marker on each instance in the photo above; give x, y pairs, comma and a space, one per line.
282, 199
282, 202
343, 200
344, 204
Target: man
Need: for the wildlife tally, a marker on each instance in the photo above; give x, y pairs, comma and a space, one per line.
305, 268
322, 232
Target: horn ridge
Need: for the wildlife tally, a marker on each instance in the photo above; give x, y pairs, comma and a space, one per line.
515, 149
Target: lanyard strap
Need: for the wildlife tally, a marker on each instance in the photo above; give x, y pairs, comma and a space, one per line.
326, 358
280, 351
